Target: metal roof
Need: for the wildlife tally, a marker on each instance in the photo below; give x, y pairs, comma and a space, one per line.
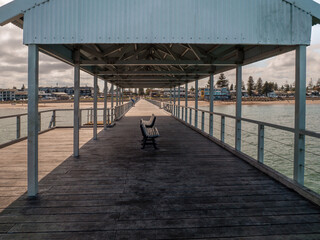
152, 43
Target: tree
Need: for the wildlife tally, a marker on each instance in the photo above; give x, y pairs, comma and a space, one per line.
192, 89
250, 86
243, 87
276, 88
318, 83
231, 87
222, 82
259, 86
208, 84
23, 87
286, 87
267, 88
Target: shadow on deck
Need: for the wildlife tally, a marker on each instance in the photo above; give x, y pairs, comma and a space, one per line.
189, 188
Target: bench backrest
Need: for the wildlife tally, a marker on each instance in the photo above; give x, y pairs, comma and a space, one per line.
143, 129
151, 122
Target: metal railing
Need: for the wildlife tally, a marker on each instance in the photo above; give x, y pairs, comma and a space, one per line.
155, 102
223, 129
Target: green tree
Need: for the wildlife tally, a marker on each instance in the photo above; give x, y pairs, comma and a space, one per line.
250, 86
286, 87
231, 87
267, 88
243, 87
276, 87
259, 86
222, 81
310, 85
192, 89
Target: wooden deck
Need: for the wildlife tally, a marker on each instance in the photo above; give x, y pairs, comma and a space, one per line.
189, 188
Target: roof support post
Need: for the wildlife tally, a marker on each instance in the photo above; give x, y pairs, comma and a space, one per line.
95, 108
105, 105
112, 102
76, 104
174, 101
186, 103
300, 114
196, 104
33, 120
211, 104
122, 98
170, 95
117, 96
238, 108
179, 100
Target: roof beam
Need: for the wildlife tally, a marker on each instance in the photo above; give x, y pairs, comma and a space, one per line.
155, 62
142, 73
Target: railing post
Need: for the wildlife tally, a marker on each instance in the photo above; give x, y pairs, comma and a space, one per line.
260, 143
174, 102
223, 127
196, 103
18, 127
300, 114
202, 121
54, 118
39, 117
238, 108
182, 113
190, 116
211, 104
80, 118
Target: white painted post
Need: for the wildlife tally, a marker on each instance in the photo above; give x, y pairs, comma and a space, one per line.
300, 114
196, 106
186, 103
238, 108
174, 102
112, 102
95, 107
117, 96
260, 143
33, 121
211, 104
179, 101
76, 104
105, 105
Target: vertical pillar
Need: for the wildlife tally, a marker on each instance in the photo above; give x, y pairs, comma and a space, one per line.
179, 101
211, 104
117, 96
105, 105
238, 108
76, 104
174, 102
112, 102
300, 114
170, 95
196, 104
186, 103
95, 107
33, 124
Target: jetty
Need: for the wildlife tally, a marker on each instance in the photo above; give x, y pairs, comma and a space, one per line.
66, 181
189, 188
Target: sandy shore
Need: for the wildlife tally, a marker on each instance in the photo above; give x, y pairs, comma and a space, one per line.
69, 105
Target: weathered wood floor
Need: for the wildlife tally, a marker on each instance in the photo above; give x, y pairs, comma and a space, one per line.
189, 188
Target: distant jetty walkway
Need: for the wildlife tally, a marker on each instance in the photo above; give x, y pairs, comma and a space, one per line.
189, 188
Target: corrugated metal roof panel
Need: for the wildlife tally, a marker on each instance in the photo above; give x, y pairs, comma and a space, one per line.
167, 21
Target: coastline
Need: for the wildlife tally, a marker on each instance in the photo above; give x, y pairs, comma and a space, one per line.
191, 103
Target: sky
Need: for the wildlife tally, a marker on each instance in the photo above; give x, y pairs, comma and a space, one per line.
13, 64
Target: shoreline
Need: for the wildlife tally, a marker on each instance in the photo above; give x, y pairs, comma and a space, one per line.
69, 105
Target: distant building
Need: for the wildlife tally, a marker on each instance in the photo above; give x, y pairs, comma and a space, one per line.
21, 95
272, 95
7, 94
84, 91
218, 93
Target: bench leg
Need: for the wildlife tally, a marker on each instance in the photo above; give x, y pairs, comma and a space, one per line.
154, 143
144, 143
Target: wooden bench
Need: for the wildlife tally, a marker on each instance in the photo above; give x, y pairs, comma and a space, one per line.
149, 123
149, 135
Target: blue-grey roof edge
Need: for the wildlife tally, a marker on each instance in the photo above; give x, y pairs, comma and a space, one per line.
16, 9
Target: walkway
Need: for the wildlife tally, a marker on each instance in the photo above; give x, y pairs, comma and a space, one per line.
189, 188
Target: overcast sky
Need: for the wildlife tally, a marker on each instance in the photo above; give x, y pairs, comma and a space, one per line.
13, 64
